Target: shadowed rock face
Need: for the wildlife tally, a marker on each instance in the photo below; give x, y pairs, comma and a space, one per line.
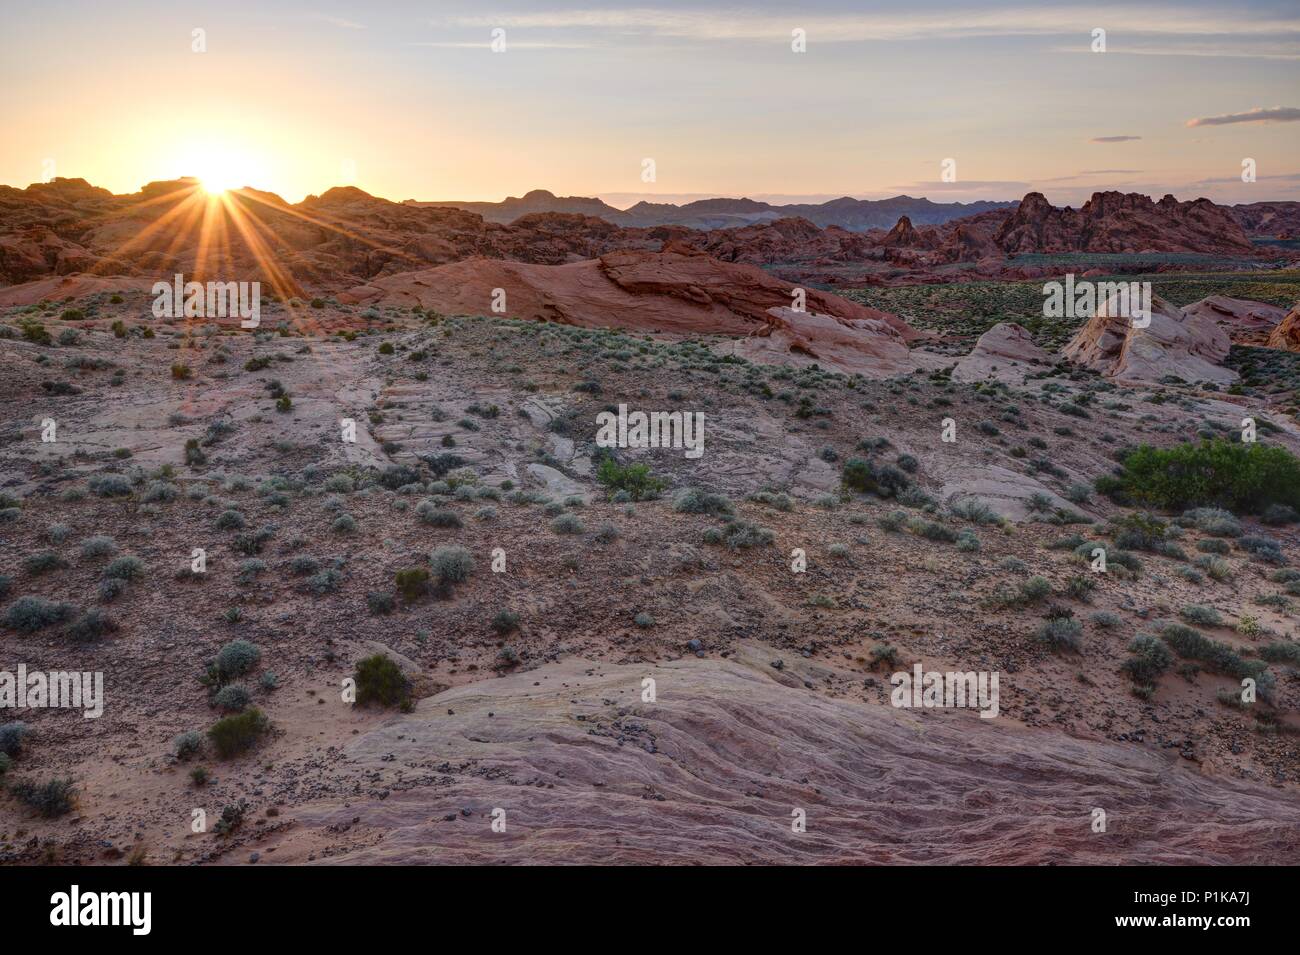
1172, 344
711, 772
1122, 222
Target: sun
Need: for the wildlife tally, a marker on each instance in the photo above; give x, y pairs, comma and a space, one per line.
219, 168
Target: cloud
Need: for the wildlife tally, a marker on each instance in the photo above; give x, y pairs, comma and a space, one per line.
1281, 177
1113, 139
1167, 21
1275, 114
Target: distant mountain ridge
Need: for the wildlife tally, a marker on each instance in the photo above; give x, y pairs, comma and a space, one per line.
854, 215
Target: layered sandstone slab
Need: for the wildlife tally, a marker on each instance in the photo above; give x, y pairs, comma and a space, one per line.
1006, 352
1169, 343
582, 770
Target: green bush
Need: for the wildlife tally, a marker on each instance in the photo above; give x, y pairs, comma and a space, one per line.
1245, 478
863, 476
412, 583
634, 479
232, 735
1150, 659
380, 680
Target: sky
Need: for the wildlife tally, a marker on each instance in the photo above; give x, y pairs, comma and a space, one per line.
666, 101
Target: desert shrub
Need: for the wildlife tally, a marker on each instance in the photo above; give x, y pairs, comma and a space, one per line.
98, 546
398, 475
109, 485
451, 564
42, 562
232, 699
238, 733
1106, 620
159, 492
567, 524
230, 520
29, 614
693, 500
302, 565
90, 626
782, 502
1217, 568
975, 510
1276, 514
739, 534
931, 530
1061, 633
12, 736
1150, 658
867, 478
187, 745
380, 680
110, 588
236, 658
324, 582
1243, 477
506, 621
1013, 564
1080, 588
380, 603
127, 567
1034, 589
1281, 651
633, 479
1262, 548
344, 524
644, 620
429, 513
883, 653
1201, 616
893, 521
1213, 545
412, 582
1138, 532
1192, 645
51, 800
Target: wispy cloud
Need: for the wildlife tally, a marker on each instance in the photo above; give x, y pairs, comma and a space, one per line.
1113, 139
1281, 177
1260, 114
746, 24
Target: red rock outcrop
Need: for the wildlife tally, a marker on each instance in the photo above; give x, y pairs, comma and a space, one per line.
676, 292
1287, 333
1122, 222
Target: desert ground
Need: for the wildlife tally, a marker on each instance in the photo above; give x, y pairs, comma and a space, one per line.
588, 661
